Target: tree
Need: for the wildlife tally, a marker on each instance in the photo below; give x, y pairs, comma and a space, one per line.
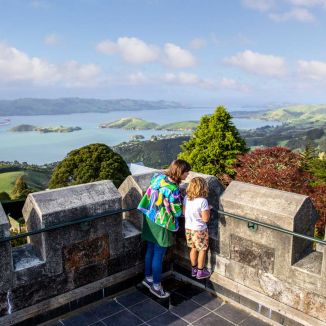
214, 145
20, 190
90, 163
4, 196
280, 168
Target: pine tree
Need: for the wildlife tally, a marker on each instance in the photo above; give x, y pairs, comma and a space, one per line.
20, 190
214, 145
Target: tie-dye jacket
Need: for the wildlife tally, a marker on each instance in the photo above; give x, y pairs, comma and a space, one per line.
162, 202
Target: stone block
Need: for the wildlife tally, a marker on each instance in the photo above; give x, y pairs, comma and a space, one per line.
86, 252
252, 254
6, 264
132, 190
290, 211
89, 274
62, 205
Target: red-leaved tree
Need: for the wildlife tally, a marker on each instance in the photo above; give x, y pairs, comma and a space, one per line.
280, 168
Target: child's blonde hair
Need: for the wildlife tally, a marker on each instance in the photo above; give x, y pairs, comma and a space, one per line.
197, 187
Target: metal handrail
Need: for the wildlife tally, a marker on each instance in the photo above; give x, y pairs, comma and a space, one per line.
97, 216
62, 225
273, 227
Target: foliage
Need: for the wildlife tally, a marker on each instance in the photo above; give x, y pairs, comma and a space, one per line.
37, 180
214, 145
20, 190
280, 168
4, 196
90, 163
156, 153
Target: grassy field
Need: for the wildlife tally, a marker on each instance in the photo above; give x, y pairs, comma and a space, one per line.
34, 179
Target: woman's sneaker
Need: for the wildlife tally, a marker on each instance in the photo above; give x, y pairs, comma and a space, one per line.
160, 293
147, 283
203, 273
194, 271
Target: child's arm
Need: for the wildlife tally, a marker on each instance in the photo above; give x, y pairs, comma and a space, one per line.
205, 211
205, 215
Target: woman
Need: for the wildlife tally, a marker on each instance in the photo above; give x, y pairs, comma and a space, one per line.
162, 207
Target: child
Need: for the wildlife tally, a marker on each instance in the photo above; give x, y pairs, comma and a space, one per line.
161, 206
197, 212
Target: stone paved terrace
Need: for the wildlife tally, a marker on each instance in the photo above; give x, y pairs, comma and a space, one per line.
187, 305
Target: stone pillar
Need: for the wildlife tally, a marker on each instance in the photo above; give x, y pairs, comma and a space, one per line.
265, 250
6, 265
132, 190
77, 247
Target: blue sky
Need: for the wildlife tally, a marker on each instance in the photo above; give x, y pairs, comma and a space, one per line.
199, 52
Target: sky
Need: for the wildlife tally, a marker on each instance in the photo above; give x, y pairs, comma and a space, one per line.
197, 52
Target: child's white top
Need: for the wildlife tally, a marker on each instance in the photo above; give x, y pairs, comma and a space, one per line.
193, 213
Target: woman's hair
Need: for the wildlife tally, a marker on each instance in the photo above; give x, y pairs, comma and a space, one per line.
176, 169
197, 187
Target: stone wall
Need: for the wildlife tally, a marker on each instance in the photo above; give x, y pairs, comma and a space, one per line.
58, 261
284, 270
276, 274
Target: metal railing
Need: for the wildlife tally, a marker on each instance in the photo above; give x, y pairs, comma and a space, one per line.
110, 213
62, 225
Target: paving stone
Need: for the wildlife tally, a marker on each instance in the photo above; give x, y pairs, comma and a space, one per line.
207, 300
212, 320
122, 318
84, 318
188, 290
147, 310
167, 319
107, 309
185, 308
231, 313
129, 299
253, 321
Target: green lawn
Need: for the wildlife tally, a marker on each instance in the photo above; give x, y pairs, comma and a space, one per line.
34, 179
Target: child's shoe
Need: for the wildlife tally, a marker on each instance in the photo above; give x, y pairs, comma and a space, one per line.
159, 292
203, 273
147, 283
194, 271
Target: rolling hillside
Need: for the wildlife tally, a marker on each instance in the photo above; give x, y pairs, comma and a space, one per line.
297, 114
34, 179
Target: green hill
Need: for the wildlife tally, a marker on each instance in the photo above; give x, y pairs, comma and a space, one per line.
297, 113
180, 126
34, 179
130, 124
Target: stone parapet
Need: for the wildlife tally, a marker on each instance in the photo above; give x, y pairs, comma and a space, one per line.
57, 261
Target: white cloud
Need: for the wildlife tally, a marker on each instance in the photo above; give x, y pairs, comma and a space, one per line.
230, 83
308, 3
260, 5
299, 14
138, 78
182, 78
197, 43
312, 69
176, 57
107, 47
17, 66
132, 49
52, 39
259, 64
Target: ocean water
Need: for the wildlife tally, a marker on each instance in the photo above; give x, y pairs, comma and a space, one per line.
37, 148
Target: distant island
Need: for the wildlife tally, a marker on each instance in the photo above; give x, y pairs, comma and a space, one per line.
140, 124
130, 124
59, 129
